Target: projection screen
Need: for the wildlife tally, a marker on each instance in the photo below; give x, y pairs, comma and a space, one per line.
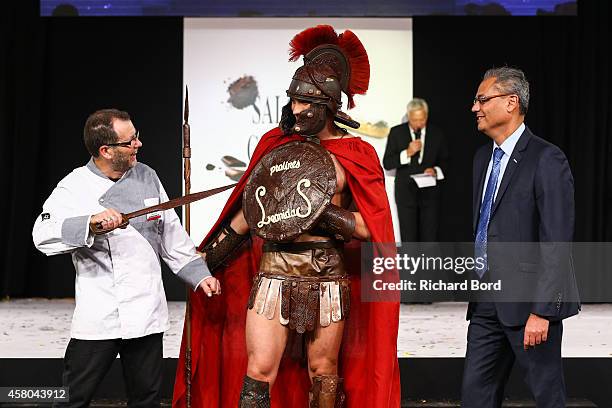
237, 71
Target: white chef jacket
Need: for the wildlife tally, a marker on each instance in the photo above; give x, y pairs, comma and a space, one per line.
118, 287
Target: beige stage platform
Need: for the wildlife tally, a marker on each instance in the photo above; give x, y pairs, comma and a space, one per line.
39, 328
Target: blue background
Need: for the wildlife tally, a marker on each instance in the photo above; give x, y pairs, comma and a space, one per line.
271, 8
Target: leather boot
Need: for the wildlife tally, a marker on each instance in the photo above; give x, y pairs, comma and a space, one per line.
327, 392
254, 394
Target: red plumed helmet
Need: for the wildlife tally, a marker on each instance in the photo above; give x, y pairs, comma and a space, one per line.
332, 64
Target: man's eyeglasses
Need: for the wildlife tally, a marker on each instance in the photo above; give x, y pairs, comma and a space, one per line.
484, 99
129, 143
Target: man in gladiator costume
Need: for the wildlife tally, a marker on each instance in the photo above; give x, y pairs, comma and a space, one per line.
292, 227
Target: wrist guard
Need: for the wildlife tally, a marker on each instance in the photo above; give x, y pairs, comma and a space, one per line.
219, 249
338, 221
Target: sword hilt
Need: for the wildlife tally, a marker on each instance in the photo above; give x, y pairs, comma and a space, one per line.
97, 229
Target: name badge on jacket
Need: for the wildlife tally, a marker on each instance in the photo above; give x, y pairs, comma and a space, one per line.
148, 202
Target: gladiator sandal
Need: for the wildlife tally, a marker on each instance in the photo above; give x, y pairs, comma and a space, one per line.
254, 394
327, 392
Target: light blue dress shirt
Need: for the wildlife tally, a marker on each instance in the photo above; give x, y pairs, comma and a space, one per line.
508, 147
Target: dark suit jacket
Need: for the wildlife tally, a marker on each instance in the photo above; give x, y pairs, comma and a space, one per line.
436, 154
533, 214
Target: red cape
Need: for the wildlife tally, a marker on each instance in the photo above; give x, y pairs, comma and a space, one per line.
368, 360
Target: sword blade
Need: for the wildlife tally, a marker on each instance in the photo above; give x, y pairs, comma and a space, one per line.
177, 202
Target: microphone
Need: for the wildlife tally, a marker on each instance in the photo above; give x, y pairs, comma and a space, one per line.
417, 134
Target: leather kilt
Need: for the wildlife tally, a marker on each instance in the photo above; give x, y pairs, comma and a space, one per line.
306, 281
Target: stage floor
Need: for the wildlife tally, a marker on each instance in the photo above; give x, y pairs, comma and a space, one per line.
40, 328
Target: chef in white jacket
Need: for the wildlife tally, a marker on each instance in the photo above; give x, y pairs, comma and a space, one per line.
120, 302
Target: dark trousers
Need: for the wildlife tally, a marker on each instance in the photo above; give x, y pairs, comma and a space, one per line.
87, 361
417, 211
491, 351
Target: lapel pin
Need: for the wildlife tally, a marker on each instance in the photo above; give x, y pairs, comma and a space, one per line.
515, 161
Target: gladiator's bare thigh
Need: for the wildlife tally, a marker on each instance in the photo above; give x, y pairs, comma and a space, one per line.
324, 348
265, 342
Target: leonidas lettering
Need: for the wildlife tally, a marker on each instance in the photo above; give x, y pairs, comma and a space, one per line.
288, 213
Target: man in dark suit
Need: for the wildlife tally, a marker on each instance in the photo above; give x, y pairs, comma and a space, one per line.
414, 148
523, 198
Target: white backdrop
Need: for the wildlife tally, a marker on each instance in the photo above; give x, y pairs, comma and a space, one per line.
220, 54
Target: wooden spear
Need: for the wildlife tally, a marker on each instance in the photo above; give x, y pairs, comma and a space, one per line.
187, 178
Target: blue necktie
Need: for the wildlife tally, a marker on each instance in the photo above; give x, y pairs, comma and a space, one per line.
485, 213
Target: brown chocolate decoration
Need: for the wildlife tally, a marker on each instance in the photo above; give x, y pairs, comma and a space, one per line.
318, 81
234, 174
327, 391
231, 161
311, 121
288, 190
306, 301
243, 93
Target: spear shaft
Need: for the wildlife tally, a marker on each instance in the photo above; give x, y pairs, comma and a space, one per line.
187, 179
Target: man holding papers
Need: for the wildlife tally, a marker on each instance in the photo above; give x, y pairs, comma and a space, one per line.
419, 153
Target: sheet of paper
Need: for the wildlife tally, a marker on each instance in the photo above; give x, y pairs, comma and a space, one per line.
424, 180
